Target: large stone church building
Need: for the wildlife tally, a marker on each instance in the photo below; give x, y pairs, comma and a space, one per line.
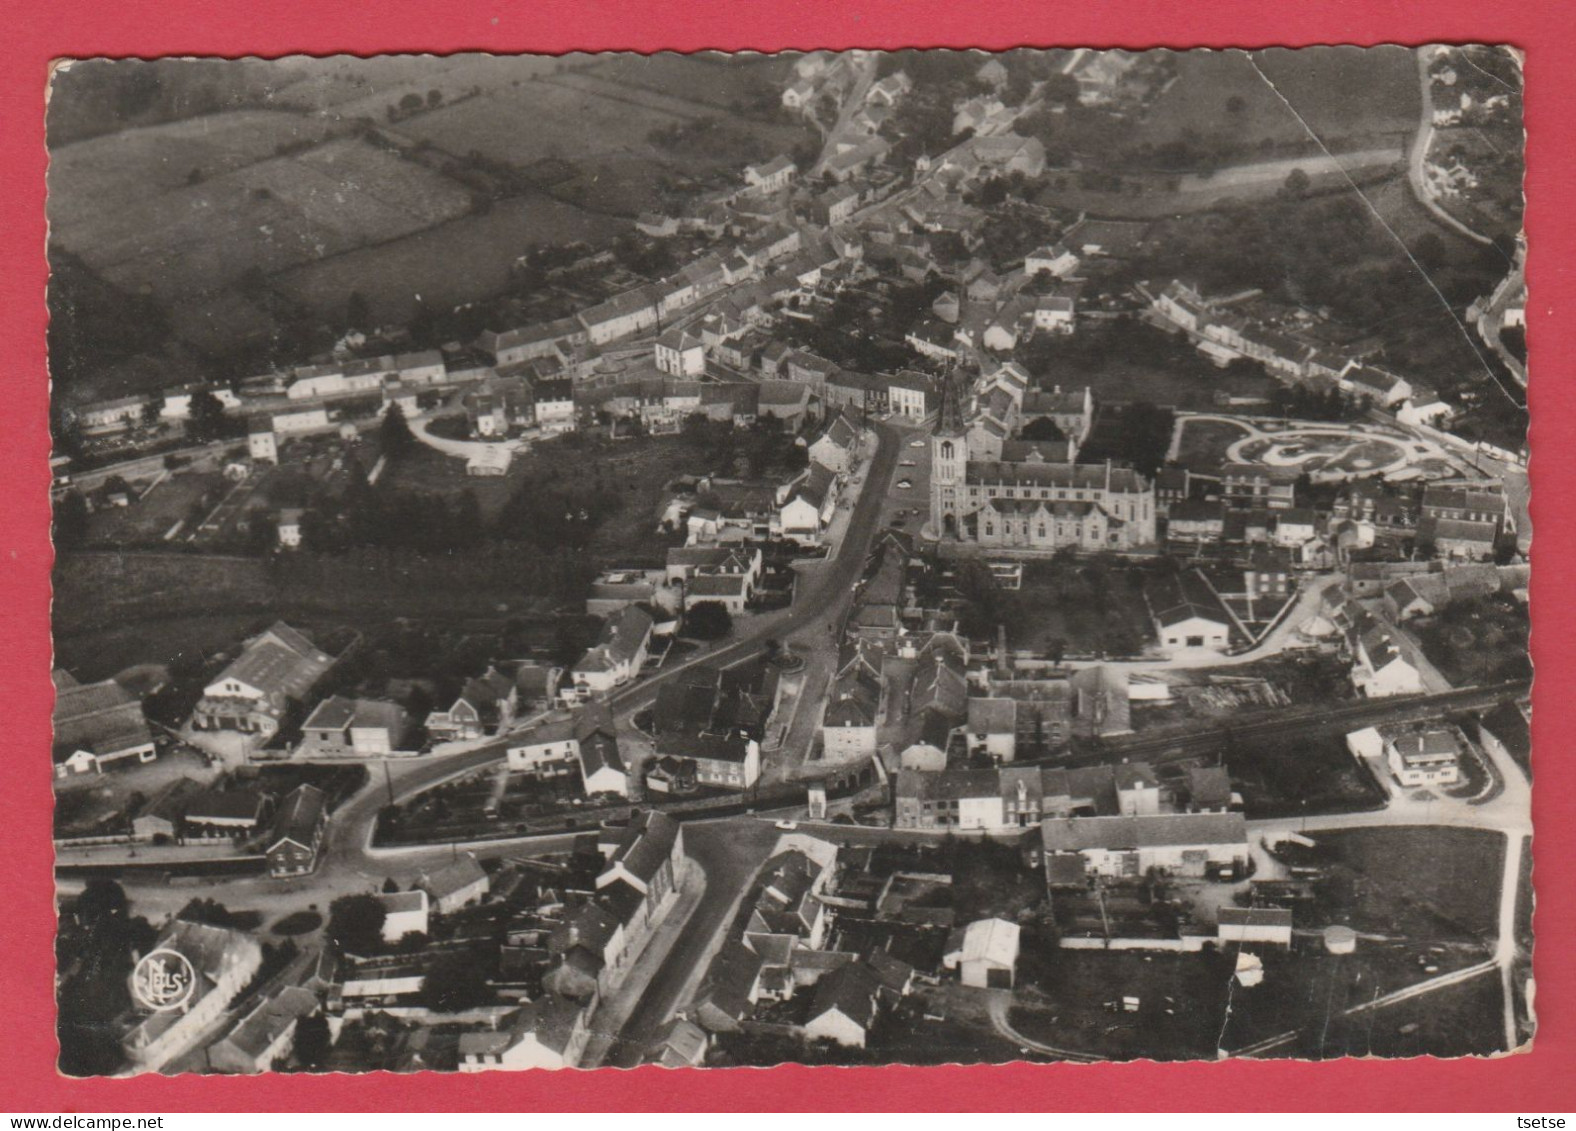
991, 488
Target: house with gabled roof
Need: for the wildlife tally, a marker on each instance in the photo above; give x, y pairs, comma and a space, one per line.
648, 856
984, 953
550, 1032
844, 1006
679, 1044
771, 176
264, 1036
298, 832
1188, 614
97, 726
222, 961
233, 814
807, 503
457, 884
618, 655
837, 448
1189, 844
486, 705
276, 669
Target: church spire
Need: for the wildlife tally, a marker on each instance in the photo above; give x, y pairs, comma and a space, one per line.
949, 422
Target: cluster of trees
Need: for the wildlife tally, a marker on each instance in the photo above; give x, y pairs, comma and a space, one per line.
1304, 402
413, 103
1136, 434
765, 448
706, 137
95, 947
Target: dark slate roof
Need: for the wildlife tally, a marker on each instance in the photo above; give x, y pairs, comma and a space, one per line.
646, 845
299, 816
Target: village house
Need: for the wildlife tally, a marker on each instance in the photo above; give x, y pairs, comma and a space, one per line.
1380, 666
540, 340
550, 1032
1416, 756
992, 728
1012, 797
680, 353
1257, 487
298, 832
1052, 259
404, 913
617, 657
852, 159
775, 174
807, 504
620, 316
97, 726
363, 728
500, 407
486, 705
1209, 789
456, 885
266, 1035
276, 669
679, 1044
223, 962
585, 743
648, 855
844, 1006
1187, 844
684, 563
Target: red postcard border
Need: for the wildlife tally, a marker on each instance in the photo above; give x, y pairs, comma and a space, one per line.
37, 33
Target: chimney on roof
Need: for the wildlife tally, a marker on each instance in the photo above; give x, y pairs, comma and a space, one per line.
1002, 667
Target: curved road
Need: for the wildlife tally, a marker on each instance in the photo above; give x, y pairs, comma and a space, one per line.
350, 864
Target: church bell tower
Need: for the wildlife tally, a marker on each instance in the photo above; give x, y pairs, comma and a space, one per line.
948, 458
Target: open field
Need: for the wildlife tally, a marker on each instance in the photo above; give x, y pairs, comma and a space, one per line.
1067, 1000
266, 216
623, 170
716, 80
461, 261
366, 87
1425, 883
91, 182
1347, 98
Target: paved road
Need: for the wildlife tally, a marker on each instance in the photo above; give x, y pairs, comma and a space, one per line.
349, 864
729, 853
1491, 319
1419, 155
852, 102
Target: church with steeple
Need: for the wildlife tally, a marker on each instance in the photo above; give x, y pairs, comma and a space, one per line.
990, 487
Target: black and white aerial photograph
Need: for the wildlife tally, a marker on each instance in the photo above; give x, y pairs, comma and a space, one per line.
838, 558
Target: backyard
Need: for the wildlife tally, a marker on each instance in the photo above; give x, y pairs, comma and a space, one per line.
1081, 607
1478, 640
1297, 774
